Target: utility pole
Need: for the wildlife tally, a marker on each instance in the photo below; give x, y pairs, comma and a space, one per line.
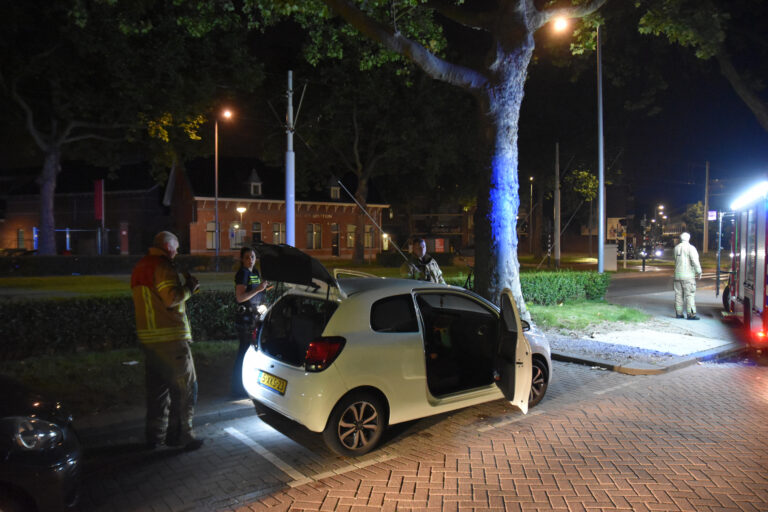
705, 243
557, 205
290, 170
600, 160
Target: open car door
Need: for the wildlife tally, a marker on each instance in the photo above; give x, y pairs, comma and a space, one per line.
512, 363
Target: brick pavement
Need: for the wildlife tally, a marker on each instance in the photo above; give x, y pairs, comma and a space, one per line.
689, 440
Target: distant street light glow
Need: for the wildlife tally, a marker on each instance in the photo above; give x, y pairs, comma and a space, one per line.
750, 196
560, 24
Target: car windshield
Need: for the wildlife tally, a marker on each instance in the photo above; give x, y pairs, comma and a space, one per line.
291, 324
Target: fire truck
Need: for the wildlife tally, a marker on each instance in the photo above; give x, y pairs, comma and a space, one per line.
744, 297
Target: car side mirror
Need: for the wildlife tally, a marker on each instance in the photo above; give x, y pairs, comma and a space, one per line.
526, 325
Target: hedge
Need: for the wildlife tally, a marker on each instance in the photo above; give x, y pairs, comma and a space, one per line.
56, 326
556, 287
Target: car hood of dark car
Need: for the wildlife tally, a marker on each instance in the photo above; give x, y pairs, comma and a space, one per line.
19, 400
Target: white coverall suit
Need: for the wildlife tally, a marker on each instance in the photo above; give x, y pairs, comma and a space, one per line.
687, 268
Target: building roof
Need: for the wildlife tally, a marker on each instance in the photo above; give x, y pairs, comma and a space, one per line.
236, 174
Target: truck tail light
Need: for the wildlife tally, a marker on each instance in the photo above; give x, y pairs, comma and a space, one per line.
322, 352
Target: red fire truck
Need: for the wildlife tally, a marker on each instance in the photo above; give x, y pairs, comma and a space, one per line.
744, 296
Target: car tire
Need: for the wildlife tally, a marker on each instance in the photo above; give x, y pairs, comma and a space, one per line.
539, 381
356, 424
727, 299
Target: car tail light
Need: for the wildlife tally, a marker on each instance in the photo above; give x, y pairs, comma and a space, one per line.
760, 336
322, 352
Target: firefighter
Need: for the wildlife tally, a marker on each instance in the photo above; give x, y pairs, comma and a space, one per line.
687, 269
159, 299
423, 266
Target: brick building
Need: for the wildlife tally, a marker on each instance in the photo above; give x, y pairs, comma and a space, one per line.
252, 209
136, 207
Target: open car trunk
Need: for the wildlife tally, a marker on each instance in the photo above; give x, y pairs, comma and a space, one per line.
293, 322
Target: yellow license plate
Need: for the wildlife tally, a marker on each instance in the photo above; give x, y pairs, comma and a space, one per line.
273, 383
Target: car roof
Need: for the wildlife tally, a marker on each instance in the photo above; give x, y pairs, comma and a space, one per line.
394, 286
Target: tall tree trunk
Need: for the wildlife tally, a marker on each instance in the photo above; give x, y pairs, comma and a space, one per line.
505, 96
47, 182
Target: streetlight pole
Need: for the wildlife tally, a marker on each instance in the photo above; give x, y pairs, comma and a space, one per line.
216, 191
560, 24
227, 114
530, 220
600, 160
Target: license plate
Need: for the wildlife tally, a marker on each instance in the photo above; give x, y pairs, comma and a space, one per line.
272, 383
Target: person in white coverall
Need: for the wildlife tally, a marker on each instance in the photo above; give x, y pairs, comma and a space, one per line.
687, 269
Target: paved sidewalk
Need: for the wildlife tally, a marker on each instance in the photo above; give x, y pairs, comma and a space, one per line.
128, 424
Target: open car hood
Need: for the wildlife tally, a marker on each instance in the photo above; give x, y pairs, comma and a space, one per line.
287, 264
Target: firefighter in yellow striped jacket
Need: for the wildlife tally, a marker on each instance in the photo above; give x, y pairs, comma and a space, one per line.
162, 327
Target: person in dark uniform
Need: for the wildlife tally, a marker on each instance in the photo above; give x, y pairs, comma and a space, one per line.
249, 294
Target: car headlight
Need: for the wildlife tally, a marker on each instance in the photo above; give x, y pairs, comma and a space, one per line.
33, 433
659, 253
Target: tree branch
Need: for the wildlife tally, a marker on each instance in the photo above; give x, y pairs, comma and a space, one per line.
29, 118
432, 65
577, 11
475, 20
90, 136
745, 92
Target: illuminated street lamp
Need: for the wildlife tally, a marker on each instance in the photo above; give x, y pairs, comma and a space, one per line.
561, 24
226, 114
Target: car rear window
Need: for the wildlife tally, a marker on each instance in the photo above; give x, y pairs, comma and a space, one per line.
394, 314
291, 324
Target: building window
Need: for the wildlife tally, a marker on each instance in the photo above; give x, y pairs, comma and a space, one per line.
278, 233
210, 235
368, 236
351, 228
335, 192
255, 189
256, 233
20, 239
314, 238
236, 235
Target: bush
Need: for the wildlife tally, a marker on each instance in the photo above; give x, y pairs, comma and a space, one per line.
59, 326
556, 287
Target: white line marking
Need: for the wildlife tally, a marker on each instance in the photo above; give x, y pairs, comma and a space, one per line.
271, 457
298, 477
513, 420
614, 388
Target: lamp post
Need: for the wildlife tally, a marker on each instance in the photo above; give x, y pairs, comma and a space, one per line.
561, 24
241, 211
227, 114
530, 220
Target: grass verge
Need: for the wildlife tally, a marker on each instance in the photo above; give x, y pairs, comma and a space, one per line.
582, 315
93, 382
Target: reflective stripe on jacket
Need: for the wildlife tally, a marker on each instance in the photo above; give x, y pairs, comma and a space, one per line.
686, 261
159, 300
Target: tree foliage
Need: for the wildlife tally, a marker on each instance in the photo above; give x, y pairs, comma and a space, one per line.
110, 71
723, 31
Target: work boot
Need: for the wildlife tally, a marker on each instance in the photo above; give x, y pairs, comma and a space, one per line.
693, 317
679, 316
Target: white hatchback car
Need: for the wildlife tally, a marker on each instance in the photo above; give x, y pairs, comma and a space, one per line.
348, 357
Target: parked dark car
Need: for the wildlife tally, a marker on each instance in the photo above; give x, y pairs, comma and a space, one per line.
40, 454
